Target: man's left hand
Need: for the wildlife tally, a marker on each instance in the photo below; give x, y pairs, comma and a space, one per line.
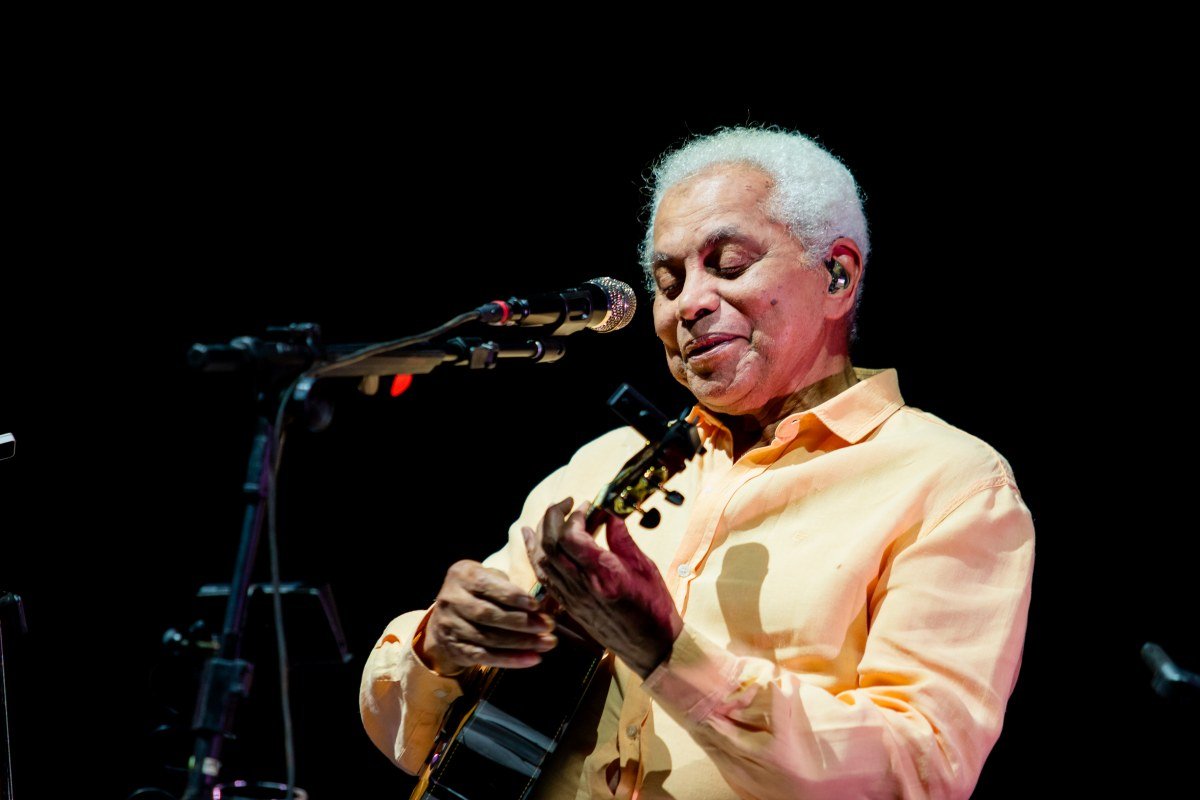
617, 595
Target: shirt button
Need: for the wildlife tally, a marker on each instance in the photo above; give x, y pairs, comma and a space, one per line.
684, 570
632, 731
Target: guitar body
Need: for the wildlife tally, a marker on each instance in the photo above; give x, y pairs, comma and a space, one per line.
497, 736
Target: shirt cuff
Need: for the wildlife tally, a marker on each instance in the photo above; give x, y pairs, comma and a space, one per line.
694, 677
401, 701
399, 662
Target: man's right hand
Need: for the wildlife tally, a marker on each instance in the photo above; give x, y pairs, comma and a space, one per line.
481, 618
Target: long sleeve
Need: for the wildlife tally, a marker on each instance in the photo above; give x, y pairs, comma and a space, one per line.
402, 701
946, 625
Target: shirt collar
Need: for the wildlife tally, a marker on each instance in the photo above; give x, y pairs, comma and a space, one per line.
850, 414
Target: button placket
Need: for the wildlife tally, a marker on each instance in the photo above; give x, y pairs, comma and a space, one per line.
712, 522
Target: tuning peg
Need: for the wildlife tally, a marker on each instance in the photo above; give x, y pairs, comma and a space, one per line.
651, 518
674, 498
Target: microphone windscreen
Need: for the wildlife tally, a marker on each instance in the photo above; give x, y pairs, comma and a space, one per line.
622, 303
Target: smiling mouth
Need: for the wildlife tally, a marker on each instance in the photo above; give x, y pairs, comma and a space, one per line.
706, 344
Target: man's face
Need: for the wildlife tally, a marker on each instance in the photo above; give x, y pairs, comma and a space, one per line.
739, 309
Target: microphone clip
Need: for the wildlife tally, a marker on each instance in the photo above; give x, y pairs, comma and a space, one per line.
477, 353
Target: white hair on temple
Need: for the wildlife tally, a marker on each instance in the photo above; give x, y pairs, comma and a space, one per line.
813, 193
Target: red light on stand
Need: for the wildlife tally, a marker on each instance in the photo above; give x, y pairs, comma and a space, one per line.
400, 384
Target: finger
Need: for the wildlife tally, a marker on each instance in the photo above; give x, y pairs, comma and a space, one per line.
499, 639
533, 548
589, 574
588, 510
582, 594
551, 525
619, 541
465, 645
475, 655
576, 542
580, 564
600, 569
494, 585
553, 564
578, 517
566, 576
580, 547
535, 544
480, 612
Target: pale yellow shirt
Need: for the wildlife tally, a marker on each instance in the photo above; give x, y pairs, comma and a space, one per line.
854, 596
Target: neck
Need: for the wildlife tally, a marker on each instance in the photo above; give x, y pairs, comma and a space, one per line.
753, 430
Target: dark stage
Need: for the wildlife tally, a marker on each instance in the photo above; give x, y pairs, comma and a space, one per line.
209, 211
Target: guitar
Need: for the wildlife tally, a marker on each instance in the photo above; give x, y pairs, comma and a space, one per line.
494, 740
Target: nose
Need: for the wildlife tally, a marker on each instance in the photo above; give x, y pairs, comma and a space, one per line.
698, 297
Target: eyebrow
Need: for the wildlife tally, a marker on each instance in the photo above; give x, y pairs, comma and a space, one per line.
717, 236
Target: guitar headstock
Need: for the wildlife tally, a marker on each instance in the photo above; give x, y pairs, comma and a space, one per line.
671, 443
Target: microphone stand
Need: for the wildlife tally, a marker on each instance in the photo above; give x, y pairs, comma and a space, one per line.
225, 680
281, 362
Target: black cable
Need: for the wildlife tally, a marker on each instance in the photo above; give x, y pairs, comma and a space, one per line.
275, 458
375, 349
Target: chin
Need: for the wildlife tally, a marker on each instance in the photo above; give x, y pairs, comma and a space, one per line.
733, 399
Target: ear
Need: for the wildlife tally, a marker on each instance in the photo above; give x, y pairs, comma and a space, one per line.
846, 253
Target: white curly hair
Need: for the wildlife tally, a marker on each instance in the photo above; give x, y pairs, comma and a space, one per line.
813, 192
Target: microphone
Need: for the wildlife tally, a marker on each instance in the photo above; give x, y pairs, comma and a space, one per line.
602, 304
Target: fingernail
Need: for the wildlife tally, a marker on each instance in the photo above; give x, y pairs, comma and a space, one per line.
546, 641
548, 621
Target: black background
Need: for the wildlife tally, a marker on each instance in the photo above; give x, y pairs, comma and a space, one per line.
1021, 280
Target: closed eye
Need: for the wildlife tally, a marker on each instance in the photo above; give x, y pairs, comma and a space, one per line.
728, 255
670, 286
669, 289
729, 258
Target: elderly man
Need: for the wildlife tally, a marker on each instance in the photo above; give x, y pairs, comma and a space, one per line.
839, 607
